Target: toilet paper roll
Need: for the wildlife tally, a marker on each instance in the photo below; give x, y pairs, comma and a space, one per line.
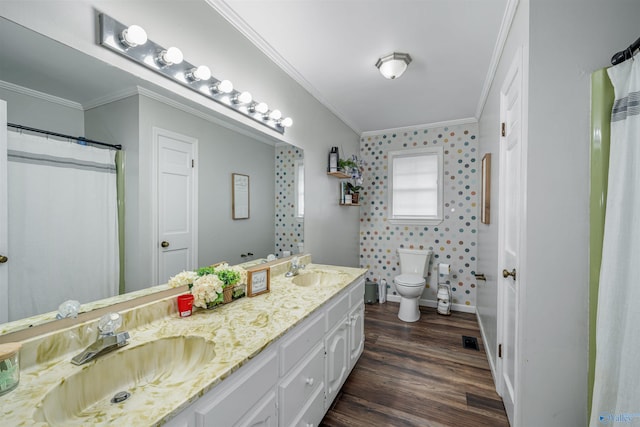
382, 291
444, 269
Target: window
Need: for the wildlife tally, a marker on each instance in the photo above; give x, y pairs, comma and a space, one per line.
415, 186
299, 188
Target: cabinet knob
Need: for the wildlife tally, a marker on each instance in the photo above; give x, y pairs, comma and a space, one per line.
309, 381
164, 244
3, 259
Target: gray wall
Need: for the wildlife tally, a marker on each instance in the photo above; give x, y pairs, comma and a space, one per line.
567, 41
222, 152
118, 123
331, 232
130, 122
42, 114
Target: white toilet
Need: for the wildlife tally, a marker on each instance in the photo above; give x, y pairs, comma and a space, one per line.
410, 283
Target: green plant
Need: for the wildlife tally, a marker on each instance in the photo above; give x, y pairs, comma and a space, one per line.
229, 277
353, 188
346, 164
203, 271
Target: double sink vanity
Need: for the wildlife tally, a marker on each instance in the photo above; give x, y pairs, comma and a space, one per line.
277, 359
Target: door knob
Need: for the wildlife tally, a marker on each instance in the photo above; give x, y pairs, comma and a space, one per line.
506, 273
164, 244
3, 259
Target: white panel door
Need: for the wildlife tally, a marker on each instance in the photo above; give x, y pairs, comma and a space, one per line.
510, 213
177, 204
4, 218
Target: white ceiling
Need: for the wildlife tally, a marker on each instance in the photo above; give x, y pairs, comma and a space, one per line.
330, 47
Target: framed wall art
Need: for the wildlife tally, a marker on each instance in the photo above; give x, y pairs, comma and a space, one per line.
485, 190
240, 196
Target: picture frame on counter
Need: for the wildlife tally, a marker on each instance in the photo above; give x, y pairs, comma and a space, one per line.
258, 281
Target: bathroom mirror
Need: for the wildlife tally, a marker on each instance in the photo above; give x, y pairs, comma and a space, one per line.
35, 70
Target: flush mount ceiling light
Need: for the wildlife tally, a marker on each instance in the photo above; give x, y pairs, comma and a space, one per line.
393, 65
132, 43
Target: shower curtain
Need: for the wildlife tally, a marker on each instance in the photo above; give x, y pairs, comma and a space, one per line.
616, 394
63, 224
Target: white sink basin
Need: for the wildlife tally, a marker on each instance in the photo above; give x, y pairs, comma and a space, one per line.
147, 371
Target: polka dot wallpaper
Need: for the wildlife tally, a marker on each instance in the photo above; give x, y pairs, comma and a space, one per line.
289, 230
454, 241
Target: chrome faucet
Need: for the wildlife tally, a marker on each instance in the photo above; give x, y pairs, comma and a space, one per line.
293, 269
108, 340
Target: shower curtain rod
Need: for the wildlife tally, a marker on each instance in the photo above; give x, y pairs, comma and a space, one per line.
61, 135
623, 55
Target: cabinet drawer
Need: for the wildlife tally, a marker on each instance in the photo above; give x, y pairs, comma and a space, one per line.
357, 293
298, 387
337, 310
299, 344
313, 413
230, 400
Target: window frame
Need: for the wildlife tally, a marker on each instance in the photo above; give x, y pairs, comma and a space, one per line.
425, 219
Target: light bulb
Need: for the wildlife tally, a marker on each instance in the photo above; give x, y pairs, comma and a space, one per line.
261, 107
171, 56
275, 115
223, 86
242, 98
133, 36
286, 122
200, 73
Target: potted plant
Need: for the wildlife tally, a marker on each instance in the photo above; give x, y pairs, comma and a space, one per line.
347, 165
354, 190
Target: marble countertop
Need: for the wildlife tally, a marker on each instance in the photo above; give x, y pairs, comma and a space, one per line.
236, 332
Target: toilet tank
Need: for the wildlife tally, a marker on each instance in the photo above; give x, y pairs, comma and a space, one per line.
414, 261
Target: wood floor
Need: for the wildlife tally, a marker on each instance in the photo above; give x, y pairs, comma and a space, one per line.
418, 374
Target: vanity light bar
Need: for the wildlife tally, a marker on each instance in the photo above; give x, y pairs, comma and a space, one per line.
116, 36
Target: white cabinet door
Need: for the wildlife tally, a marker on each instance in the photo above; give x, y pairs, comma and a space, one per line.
337, 362
263, 414
356, 334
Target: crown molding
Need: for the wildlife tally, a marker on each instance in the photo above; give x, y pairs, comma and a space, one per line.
505, 26
200, 114
466, 121
112, 97
247, 31
40, 95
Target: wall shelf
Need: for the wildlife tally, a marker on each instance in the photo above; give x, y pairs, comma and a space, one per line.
349, 204
339, 175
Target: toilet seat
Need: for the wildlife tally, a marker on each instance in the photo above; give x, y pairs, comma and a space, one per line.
410, 280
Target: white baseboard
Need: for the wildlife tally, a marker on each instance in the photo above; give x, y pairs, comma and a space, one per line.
492, 364
434, 304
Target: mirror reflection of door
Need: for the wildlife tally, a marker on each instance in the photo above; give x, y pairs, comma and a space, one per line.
177, 203
4, 242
